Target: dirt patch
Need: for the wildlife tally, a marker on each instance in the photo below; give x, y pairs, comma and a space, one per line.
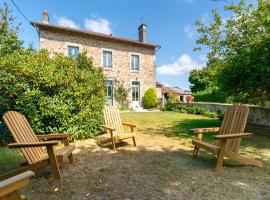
159, 167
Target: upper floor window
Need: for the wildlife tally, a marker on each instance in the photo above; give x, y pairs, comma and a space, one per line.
135, 62
73, 51
107, 59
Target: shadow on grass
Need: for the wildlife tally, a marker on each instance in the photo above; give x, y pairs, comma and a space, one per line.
182, 128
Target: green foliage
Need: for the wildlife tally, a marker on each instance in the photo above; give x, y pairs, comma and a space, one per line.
150, 99
238, 58
190, 109
121, 95
56, 94
211, 94
172, 98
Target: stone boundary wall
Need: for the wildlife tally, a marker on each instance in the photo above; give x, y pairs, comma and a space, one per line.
257, 115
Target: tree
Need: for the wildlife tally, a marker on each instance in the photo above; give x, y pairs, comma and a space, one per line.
150, 98
9, 41
56, 94
238, 58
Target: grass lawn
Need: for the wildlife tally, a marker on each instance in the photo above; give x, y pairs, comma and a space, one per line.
160, 167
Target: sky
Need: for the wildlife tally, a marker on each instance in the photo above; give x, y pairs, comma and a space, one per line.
170, 24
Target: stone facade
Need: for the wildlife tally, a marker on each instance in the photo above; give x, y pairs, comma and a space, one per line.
58, 42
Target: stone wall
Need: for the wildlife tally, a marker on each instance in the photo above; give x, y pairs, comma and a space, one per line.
58, 42
257, 115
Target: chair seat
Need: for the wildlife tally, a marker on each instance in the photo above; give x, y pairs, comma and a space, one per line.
210, 147
105, 138
63, 152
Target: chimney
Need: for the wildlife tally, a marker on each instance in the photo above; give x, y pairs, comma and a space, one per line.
45, 15
142, 33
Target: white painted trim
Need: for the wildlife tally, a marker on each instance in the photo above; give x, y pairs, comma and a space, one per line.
101, 64
67, 44
130, 61
140, 89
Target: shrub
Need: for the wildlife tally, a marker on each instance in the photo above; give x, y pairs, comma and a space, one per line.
191, 109
56, 94
121, 95
150, 99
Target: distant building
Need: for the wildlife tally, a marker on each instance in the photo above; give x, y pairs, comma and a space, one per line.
163, 91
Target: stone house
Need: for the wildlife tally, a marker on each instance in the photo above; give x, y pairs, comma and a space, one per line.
127, 61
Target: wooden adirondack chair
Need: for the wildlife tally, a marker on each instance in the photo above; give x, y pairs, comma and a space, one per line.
31, 147
9, 187
229, 138
113, 125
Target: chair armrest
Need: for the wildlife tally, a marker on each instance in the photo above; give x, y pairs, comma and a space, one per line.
32, 144
230, 136
14, 183
205, 130
108, 128
128, 124
53, 136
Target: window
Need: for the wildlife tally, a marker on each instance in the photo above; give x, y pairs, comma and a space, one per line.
135, 91
135, 62
73, 51
109, 92
107, 59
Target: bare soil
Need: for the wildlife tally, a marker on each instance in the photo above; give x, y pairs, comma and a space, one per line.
160, 167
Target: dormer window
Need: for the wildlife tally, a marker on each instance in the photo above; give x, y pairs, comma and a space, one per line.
135, 62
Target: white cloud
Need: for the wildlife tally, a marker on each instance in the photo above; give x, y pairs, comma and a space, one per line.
190, 31
98, 25
183, 64
64, 21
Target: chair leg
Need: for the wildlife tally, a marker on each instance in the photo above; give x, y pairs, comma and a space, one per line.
12, 196
113, 143
195, 152
221, 156
134, 141
54, 164
71, 159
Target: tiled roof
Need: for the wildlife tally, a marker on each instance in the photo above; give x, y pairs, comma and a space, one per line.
45, 26
174, 90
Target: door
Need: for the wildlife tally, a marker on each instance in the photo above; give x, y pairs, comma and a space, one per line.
135, 93
109, 92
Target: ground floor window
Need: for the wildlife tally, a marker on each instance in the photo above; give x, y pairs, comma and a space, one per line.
135, 91
109, 92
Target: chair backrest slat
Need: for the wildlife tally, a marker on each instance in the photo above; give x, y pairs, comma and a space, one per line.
23, 133
112, 119
235, 119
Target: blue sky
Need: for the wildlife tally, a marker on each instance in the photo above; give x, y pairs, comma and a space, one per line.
170, 24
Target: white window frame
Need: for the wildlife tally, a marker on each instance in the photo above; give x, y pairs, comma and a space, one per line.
109, 50
130, 61
73, 45
139, 92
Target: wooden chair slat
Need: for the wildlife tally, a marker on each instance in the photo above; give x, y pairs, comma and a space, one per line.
112, 119
22, 134
28, 135
17, 137
235, 119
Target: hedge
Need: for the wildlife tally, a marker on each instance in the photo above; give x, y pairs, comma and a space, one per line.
56, 93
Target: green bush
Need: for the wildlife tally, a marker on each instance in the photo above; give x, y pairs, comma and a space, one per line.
55, 93
150, 99
212, 94
191, 109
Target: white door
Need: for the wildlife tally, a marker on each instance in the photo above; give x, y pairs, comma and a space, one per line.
135, 89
